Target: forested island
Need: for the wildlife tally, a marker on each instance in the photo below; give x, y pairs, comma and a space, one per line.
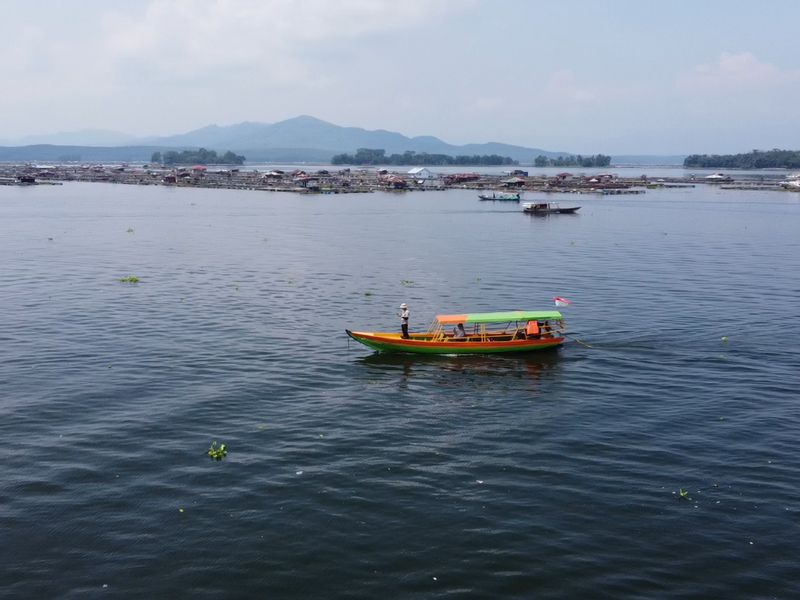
757, 159
369, 156
598, 160
196, 157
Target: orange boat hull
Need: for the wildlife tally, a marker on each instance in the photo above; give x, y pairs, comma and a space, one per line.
422, 344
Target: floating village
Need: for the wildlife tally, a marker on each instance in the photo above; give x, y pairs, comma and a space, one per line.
362, 180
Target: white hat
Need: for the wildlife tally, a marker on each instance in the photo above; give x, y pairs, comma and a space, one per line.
403, 305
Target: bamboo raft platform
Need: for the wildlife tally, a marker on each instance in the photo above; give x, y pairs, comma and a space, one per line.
752, 187
617, 192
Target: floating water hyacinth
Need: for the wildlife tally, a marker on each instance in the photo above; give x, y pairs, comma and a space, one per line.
129, 279
217, 452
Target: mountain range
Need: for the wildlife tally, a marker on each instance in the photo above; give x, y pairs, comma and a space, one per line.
300, 139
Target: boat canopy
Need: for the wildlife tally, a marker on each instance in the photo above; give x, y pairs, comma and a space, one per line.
500, 317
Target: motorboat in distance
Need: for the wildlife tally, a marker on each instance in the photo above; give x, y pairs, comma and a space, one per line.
502, 196
548, 208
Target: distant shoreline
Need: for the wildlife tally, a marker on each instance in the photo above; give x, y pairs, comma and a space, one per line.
326, 180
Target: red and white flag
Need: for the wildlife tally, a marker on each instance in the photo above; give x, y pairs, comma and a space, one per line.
561, 301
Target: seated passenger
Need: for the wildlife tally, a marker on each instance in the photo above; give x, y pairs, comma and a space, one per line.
458, 331
532, 329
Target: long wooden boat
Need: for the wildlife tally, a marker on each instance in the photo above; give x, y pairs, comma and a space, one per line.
484, 333
502, 196
548, 208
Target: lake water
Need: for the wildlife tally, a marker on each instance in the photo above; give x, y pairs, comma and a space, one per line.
358, 475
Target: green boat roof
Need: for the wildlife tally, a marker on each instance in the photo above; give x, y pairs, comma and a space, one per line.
501, 317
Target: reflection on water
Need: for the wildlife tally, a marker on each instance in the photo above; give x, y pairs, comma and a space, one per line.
529, 366
491, 364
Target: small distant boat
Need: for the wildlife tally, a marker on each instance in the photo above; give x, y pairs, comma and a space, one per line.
490, 333
791, 184
718, 178
502, 196
19, 180
548, 208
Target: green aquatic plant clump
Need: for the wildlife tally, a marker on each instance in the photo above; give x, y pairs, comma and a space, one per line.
217, 452
129, 279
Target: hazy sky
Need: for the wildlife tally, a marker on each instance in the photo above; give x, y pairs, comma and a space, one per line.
588, 76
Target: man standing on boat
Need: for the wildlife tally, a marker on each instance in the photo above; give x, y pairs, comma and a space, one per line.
403, 314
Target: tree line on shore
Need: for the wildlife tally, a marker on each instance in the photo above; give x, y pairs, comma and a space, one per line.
196, 157
377, 156
598, 160
756, 159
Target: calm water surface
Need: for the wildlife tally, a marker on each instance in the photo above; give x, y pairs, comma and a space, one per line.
359, 475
